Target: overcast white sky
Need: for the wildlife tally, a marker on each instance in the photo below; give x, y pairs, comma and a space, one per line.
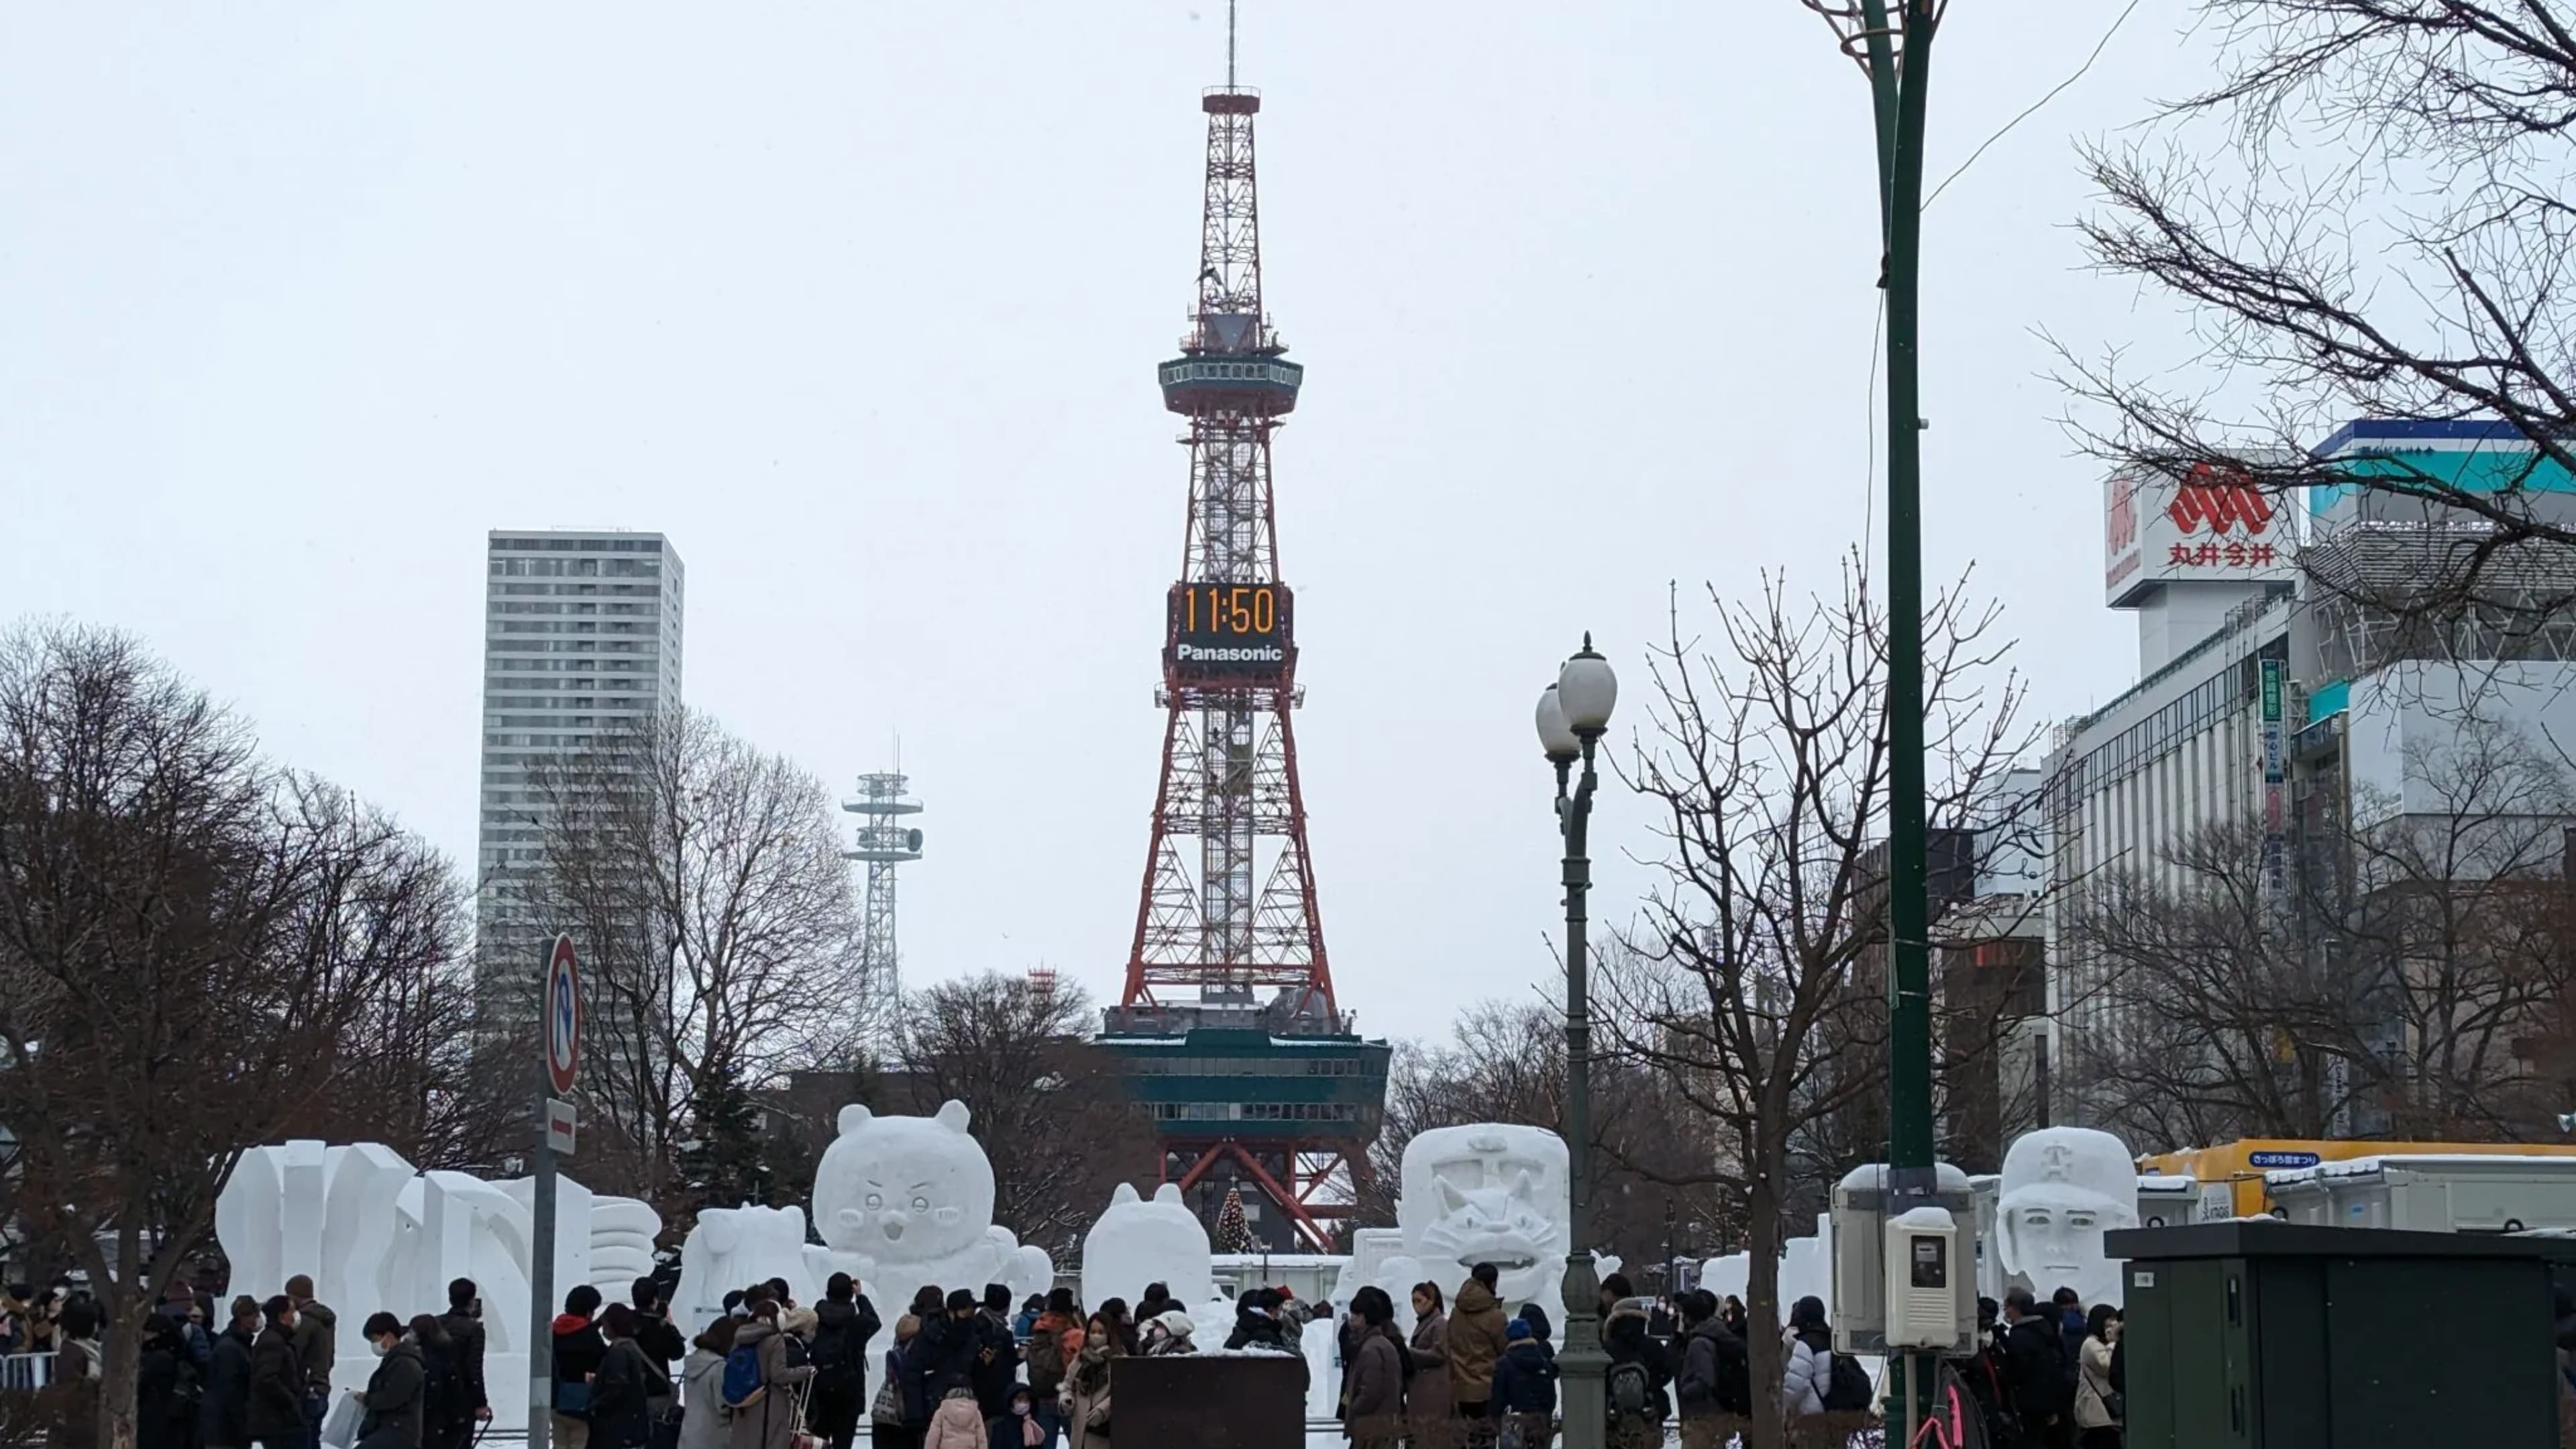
860, 303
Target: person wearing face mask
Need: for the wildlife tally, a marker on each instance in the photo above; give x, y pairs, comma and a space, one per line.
275, 1418
395, 1393
1017, 1426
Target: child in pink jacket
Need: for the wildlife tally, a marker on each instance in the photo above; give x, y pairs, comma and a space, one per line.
957, 1424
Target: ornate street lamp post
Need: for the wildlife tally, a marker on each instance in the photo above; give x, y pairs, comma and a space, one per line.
1573, 714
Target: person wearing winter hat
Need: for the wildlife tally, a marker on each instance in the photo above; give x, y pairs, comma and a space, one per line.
1168, 1333
1047, 1359
1017, 1426
1524, 1382
950, 1343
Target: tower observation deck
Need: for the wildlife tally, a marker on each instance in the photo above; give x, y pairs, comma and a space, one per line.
1235, 1044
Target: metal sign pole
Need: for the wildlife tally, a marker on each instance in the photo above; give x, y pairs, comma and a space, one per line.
541, 1288
559, 1054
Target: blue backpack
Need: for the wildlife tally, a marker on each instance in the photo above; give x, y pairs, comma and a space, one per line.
742, 1385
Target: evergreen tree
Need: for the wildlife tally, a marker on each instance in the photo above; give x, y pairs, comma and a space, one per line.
1233, 1233
724, 1162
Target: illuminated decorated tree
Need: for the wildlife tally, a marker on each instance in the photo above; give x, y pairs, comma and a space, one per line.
1233, 1234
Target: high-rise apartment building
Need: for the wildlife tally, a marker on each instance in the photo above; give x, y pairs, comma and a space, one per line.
581, 637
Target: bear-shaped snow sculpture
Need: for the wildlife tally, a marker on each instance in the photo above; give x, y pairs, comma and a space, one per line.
734, 1248
1142, 1240
904, 1202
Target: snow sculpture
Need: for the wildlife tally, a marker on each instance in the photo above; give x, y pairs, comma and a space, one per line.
1371, 1248
1143, 1240
1490, 1193
1487, 1193
374, 1233
736, 1247
2062, 1189
903, 1202
1730, 1276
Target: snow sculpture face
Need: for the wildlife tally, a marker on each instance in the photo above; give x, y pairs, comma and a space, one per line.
2062, 1189
1487, 1194
1146, 1240
903, 1189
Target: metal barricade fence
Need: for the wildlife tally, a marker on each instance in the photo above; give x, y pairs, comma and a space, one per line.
26, 1372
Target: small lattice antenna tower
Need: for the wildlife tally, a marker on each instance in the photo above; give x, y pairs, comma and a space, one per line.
883, 841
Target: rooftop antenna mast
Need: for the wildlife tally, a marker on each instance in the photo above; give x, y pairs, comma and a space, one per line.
883, 842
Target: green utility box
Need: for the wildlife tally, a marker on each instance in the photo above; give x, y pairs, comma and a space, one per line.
2271, 1335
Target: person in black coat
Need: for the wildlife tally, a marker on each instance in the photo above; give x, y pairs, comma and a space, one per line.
2037, 1378
168, 1386
463, 1323
1524, 1377
223, 1419
578, 1350
997, 1358
1715, 1375
1625, 1338
275, 1417
947, 1349
843, 1323
397, 1394
621, 1388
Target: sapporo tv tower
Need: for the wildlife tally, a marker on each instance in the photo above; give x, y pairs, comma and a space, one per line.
1228, 1024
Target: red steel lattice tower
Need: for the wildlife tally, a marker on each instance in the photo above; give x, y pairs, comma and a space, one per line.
1228, 907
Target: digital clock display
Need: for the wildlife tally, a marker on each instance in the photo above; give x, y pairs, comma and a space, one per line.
1229, 632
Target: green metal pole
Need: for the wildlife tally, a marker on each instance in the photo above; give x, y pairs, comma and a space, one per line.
1582, 1364
1898, 86
1909, 1074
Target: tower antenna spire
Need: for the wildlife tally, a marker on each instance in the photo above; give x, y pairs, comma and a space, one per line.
1229, 44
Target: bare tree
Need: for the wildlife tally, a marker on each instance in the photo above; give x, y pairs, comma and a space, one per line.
705, 884
1049, 1107
2380, 234
198, 953
2403, 978
1767, 759
1505, 1062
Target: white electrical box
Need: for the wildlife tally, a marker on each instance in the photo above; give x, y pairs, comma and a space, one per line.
1863, 1271
1923, 1272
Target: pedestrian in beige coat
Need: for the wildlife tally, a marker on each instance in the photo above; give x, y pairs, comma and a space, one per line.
772, 1421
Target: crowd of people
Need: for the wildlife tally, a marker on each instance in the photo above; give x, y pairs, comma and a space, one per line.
968, 1370
2047, 1376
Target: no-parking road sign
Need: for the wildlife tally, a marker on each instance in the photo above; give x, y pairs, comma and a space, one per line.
563, 1016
